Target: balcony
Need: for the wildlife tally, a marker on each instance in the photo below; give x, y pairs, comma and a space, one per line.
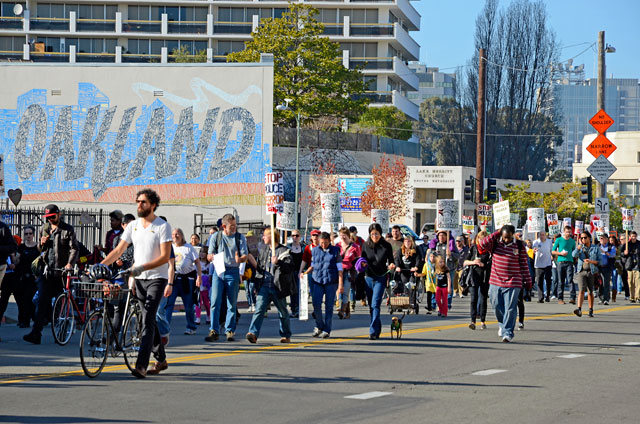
372, 63
411, 15
403, 41
10, 54
11, 22
393, 98
187, 27
49, 24
333, 29
133, 25
371, 30
96, 25
377, 97
141, 58
49, 56
402, 72
96, 57
221, 27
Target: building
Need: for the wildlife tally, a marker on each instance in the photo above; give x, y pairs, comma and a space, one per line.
373, 34
432, 83
575, 101
626, 158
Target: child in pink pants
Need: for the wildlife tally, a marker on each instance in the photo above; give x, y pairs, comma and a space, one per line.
443, 283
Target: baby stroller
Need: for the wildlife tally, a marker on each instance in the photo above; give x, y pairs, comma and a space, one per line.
404, 297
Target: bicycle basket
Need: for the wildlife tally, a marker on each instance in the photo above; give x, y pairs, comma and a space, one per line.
101, 289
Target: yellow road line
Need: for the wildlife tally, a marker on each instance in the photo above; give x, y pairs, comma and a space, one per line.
200, 357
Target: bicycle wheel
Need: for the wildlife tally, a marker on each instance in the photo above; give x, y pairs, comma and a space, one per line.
62, 320
420, 291
131, 334
94, 344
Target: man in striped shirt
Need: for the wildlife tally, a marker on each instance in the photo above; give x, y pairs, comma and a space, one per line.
509, 273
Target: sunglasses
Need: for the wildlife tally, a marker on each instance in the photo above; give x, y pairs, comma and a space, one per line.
584, 238
295, 235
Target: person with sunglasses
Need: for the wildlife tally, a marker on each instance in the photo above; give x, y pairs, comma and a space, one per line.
59, 248
588, 261
296, 249
27, 253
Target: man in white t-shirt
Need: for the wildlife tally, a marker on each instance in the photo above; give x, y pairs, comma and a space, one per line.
151, 239
542, 247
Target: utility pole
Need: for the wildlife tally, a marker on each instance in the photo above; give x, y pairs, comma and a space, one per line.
482, 65
601, 189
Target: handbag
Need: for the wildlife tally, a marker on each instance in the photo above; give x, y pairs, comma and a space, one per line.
465, 281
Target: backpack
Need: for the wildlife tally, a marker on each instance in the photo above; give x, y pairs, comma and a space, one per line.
218, 239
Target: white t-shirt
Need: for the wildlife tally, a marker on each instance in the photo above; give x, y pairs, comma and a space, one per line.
543, 258
185, 258
146, 245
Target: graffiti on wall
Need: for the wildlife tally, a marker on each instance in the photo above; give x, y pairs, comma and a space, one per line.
102, 150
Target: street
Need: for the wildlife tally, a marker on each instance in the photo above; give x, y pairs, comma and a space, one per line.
560, 368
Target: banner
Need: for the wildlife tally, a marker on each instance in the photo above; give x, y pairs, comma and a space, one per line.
381, 216
330, 203
304, 298
484, 215
566, 222
287, 219
447, 215
351, 193
553, 223
468, 226
274, 192
535, 220
579, 227
627, 219
501, 213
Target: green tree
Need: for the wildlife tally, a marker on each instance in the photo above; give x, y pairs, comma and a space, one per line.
446, 133
307, 68
385, 121
183, 55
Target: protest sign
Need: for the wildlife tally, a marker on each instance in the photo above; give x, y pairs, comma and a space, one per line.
484, 215
447, 215
467, 224
330, 203
535, 220
274, 192
287, 219
381, 216
501, 213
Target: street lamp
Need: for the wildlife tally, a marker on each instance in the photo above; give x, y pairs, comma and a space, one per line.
286, 107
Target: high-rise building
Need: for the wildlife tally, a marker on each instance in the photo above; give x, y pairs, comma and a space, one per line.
432, 83
374, 34
575, 100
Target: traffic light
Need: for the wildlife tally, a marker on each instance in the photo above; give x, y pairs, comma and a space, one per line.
492, 191
586, 190
470, 190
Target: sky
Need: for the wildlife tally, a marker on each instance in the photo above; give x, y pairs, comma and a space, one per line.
447, 29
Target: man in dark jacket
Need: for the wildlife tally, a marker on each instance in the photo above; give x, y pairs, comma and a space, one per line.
8, 246
631, 258
274, 282
59, 247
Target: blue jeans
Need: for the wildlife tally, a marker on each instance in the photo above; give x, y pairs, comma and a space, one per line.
183, 287
565, 276
295, 297
505, 304
228, 282
328, 292
375, 289
161, 318
249, 287
265, 296
452, 274
554, 282
344, 297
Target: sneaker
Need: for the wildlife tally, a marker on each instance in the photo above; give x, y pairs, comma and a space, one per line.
164, 340
229, 335
428, 312
472, 325
554, 298
197, 321
189, 331
521, 326
285, 340
605, 302
626, 298
324, 335
251, 337
316, 332
158, 367
500, 332
212, 337
483, 326
578, 312
32, 337
250, 309
560, 302
590, 313
507, 339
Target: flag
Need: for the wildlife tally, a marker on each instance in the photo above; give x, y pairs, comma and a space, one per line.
499, 196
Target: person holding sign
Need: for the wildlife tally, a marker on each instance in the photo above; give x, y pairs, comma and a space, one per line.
632, 265
562, 249
542, 263
588, 261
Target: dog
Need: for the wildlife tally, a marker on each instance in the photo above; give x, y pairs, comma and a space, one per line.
396, 326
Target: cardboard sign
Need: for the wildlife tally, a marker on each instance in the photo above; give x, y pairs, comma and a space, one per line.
484, 215
535, 220
447, 215
381, 216
627, 219
468, 226
501, 213
287, 219
579, 227
274, 192
330, 204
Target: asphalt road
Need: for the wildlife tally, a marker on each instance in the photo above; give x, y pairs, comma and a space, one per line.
560, 369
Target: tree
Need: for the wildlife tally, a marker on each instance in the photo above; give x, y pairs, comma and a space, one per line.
388, 189
307, 68
385, 121
183, 55
560, 176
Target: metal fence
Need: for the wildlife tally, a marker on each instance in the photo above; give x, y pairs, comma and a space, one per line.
90, 225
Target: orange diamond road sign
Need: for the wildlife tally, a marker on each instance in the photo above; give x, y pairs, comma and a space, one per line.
601, 146
601, 121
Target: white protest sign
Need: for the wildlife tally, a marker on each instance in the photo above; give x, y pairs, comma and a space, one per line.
484, 215
330, 204
579, 227
467, 224
535, 220
566, 222
447, 215
553, 223
627, 219
501, 213
274, 192
381, 216
287, 219
304, 298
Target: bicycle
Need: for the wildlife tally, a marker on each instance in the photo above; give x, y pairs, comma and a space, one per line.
99, 338
65, 308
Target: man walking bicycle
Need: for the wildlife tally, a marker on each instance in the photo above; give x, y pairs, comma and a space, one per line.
151, 239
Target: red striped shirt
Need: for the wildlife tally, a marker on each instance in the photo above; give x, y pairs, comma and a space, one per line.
509, 264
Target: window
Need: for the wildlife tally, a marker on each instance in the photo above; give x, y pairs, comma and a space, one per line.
638, 157
11, 44
225, 47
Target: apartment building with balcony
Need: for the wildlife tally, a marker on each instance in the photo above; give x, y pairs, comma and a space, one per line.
373, 34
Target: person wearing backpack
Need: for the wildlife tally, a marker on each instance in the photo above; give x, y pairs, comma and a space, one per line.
509, 275
225, 285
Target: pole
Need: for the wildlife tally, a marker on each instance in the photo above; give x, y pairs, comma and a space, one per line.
273, 234
480, 124
601, 189
297, 166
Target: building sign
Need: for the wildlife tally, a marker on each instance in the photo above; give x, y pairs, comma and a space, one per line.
432, 176
351, 193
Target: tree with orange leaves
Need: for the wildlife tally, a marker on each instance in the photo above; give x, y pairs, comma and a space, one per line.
388, 189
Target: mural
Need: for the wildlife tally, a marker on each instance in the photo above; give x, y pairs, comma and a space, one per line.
210, 150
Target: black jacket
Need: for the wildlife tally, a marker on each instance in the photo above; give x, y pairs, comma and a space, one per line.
7, 243
62, 247
631, 261
406, 263
378, 257
283, 271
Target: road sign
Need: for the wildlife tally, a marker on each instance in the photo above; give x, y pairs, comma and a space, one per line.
601, 169
602, 205
601, 121
601, 146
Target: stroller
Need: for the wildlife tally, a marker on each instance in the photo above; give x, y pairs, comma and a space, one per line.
405, 297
